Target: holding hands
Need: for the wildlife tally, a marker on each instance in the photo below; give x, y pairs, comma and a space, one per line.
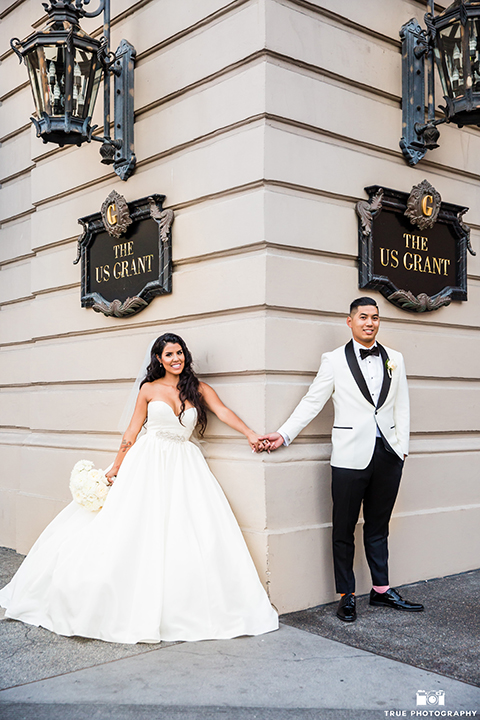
256, 442
267, 443
271, 441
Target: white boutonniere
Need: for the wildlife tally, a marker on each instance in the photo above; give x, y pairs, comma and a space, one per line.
391, 366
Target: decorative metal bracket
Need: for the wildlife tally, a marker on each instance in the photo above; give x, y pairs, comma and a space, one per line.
16, 45
419, 134
414, 48
123, 67
119, 151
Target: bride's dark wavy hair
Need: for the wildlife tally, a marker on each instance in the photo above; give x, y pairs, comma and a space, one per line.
188, 382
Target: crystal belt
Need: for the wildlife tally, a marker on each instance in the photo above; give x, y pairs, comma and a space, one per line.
165, 435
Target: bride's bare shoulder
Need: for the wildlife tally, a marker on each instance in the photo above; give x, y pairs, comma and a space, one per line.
146, 391
205, 389
208, 394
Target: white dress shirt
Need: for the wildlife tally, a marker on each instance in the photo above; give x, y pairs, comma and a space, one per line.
372, 371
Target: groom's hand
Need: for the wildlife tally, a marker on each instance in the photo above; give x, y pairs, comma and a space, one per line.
274, 440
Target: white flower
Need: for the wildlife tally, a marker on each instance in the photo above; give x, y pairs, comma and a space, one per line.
391, 366
102, 491
89, 486
82, 465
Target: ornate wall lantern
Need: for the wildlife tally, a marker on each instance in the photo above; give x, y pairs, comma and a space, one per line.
65, 67
452, 40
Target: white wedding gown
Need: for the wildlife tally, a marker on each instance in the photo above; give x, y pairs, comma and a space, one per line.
163, 560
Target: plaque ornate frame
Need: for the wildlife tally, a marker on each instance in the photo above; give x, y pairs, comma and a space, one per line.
368, 210
143, 209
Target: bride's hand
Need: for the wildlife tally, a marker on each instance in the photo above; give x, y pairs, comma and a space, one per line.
111, 475
256, 444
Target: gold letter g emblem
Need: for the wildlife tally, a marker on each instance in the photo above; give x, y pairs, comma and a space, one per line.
112, 214
427, 205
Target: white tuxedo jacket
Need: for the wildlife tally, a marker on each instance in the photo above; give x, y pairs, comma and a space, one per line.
356, 417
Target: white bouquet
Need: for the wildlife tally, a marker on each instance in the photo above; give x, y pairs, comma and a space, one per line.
89, 486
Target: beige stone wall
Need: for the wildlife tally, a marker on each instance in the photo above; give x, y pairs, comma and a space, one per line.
261, 121
333, 126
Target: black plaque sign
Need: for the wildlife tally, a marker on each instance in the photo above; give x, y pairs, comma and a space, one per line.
413, 247
126, 255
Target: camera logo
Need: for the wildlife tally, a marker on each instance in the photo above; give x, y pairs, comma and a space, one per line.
429, 699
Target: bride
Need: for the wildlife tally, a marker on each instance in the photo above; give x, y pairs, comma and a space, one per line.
164, 559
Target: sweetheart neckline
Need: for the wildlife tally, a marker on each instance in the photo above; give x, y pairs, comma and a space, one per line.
169, 406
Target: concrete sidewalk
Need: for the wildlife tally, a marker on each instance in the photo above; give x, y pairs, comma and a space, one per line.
445, 638
286, 675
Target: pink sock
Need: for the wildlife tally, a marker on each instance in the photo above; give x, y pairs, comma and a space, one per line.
381, 588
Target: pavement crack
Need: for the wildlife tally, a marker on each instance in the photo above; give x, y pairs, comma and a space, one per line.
27, 637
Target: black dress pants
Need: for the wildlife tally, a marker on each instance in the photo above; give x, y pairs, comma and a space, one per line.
377, 486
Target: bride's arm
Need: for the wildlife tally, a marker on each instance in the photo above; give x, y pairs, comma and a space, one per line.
213, 403
130, 435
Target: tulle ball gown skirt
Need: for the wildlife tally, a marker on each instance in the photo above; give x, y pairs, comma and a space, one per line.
163, 560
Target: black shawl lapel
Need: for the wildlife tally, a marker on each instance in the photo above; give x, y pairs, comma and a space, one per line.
387, 380
357, 373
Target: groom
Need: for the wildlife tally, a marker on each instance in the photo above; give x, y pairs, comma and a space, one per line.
368, 386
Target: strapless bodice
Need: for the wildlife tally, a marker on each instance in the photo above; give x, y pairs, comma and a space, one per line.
165, 425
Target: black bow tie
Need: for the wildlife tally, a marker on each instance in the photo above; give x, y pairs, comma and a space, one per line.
365, 352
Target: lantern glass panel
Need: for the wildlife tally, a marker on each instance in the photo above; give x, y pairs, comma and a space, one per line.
451, 41
474, 52
46, 67
87, 74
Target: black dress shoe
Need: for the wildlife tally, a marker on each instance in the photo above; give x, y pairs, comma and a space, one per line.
393, 599
346, 608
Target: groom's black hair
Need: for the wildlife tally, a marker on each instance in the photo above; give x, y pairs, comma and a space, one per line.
361, 302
